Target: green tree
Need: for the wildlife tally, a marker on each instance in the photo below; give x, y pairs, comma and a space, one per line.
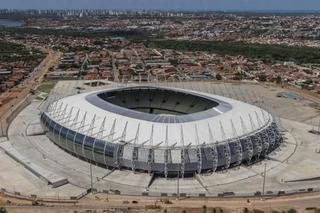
173, 62
204, 208
246, 210
51, 69
257, 211
98, 42
238, 76
262, 77
292, 211
308, 81
218, 76
132, 71
279, 79
269, 53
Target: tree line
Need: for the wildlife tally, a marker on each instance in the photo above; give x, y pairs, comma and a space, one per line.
269, 53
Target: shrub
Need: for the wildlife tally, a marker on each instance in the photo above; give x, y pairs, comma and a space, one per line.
246, 210
167, 201
218, 77
292, 211
204, 208
257, 211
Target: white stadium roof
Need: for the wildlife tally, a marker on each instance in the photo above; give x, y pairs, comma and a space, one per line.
240, 119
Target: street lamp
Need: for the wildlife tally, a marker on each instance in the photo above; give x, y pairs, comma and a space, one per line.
264, 178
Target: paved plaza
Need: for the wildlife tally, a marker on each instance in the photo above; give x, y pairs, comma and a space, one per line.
292, 167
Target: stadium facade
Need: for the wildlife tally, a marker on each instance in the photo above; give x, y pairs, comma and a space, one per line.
160, 130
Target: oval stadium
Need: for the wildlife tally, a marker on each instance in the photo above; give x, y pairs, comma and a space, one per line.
165, 131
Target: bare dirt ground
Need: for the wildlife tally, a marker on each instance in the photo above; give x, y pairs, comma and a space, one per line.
103, 203
304, 109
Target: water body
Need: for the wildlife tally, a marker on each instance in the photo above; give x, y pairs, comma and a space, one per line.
10, 23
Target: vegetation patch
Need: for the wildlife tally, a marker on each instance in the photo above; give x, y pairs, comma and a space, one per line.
11, 52
46, 87
75, 33
269, 53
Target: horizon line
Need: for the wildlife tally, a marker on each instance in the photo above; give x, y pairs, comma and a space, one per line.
176, 10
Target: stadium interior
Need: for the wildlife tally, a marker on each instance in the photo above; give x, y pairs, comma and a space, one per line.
158, 101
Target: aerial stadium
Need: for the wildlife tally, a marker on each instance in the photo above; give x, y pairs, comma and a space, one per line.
165, 131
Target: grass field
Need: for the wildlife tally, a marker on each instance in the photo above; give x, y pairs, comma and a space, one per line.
46, 87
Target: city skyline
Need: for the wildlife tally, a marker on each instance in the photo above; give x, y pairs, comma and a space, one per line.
242, 5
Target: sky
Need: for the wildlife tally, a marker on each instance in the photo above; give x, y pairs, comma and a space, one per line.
164, 4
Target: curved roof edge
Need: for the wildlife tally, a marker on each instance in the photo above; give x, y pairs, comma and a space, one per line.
99, 102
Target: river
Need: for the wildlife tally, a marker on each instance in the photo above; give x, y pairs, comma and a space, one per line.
10, 23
